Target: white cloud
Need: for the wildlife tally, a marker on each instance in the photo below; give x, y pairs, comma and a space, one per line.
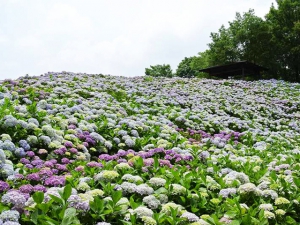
111, 37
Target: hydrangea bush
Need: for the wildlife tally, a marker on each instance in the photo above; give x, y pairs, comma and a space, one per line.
97, 149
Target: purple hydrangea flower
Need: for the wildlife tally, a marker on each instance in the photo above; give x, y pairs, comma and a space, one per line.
26, 188
37, 162
33, 177
94, 164
73, 150
48, 164
68, 144
65, 161
55, 181
16, 198
45, 173
30, 153
24, 161
61, 167
39, 187
3, 186
29, 166
72, 126
58, 152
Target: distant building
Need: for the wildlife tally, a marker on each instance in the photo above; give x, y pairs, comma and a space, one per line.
235, 69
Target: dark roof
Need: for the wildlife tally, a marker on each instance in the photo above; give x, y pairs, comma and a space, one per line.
234, 68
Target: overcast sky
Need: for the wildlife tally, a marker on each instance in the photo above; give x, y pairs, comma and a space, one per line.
117, 37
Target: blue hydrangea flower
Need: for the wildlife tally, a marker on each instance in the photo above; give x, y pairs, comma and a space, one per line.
10, 215
8, 145
20, 152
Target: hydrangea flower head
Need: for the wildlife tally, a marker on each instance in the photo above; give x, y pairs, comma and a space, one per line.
177, 189
107, 175
281, 201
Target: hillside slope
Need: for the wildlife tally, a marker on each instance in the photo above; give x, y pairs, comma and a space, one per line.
84, 148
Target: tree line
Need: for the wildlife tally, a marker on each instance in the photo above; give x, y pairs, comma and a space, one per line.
272, 42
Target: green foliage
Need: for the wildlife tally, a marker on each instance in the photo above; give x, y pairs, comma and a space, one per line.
159, 71
272, 42
185, 69
56, 211
285, 26
119, 95
84, 94
200, 62
246, 38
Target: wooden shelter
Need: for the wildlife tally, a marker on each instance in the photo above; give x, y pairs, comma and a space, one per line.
235, 69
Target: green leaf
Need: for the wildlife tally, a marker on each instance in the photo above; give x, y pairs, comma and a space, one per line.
235, 222
126, 222
290, 220
56, 199
297, 181
156, 163
194, 209
133, 204
50, 223
3, 207
183, 199
49, 220
69, 216
38, 197
67, 192
116, 196
231, 213
44, 207
34, 217
97, 205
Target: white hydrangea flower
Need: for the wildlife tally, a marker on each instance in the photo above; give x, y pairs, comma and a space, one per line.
143, 211
148, 220
247, 188
191, 217
268, 207
131, 178
166, 208
151, 201
157, 182
144, 189
177, 189
106, 175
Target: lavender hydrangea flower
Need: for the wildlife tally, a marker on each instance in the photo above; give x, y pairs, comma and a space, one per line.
40, 188
16, 198
20, 152
3, 186
127, 187
10, 215
26, 188
55, 181
23, 144
76, 202
151, 201
2, 156
130, 143
8, 145
225, 193
191, 217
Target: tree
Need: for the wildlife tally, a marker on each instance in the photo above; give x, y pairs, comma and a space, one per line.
285, 23
200, 62
252, 37
159, 71
247, 38
223, 48
185, 69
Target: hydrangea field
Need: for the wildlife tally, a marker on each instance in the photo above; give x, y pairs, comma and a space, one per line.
99, 150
